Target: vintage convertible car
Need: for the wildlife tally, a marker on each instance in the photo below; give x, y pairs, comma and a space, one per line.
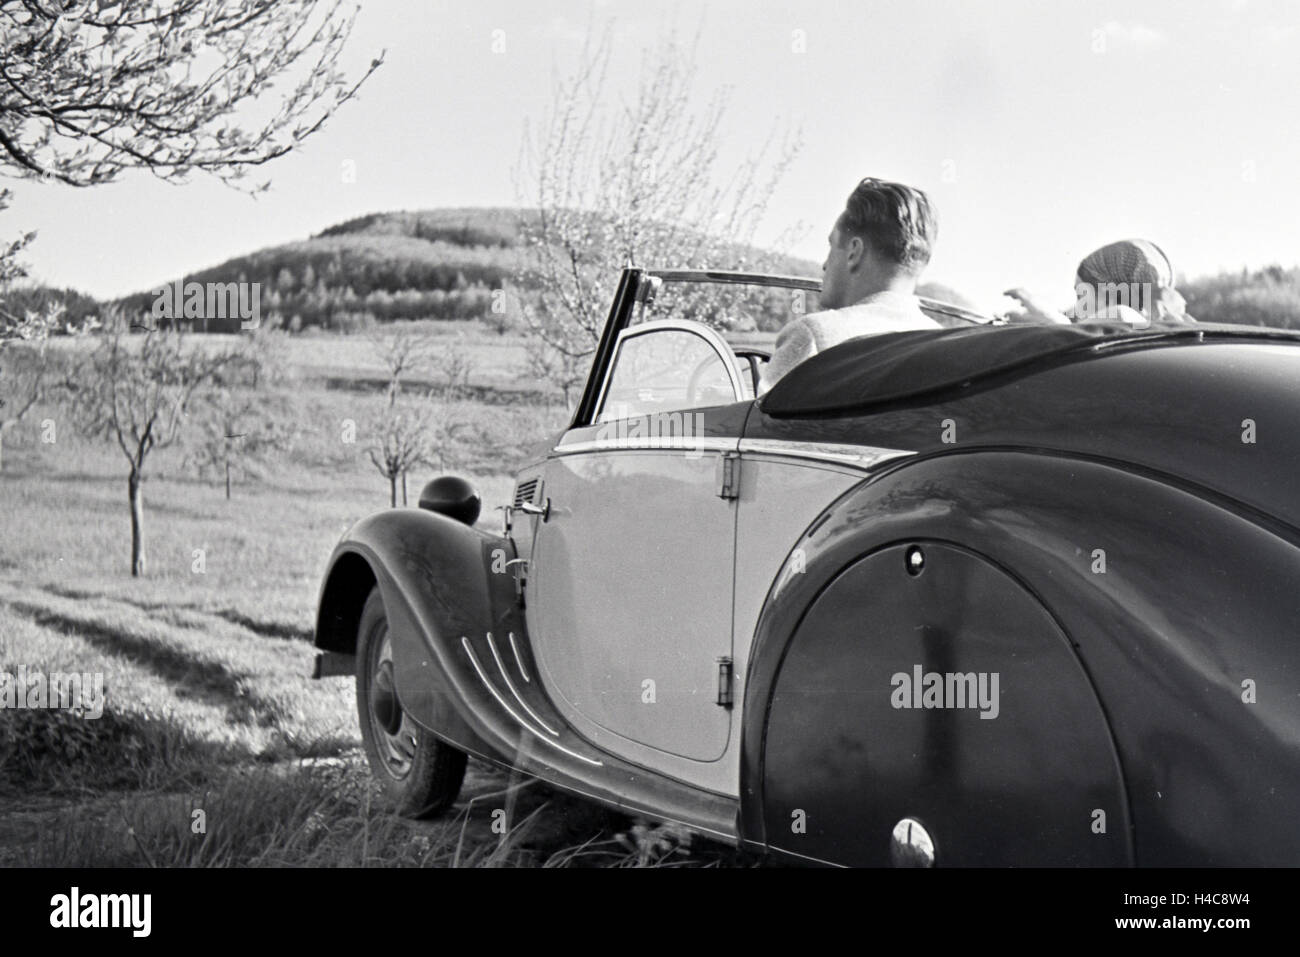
979, 595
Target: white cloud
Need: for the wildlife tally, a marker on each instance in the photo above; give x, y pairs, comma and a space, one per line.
1139, 36
562, 29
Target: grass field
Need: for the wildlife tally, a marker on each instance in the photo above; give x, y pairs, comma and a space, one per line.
209, 715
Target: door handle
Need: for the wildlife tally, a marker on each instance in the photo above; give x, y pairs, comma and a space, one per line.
528, 508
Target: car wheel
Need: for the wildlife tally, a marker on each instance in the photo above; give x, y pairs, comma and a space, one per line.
421, 774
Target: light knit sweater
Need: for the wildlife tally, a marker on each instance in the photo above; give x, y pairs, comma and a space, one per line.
879, 312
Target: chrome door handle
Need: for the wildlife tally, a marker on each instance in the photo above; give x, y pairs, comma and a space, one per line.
528, 508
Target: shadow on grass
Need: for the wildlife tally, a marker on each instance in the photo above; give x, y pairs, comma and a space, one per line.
207, 681
56, 751
265, 629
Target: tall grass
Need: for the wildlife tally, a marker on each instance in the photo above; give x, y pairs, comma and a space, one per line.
322, 815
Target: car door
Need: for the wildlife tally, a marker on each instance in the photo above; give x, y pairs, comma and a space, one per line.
631, 574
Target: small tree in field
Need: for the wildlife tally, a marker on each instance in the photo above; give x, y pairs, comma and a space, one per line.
444, 426
24, 363
643, 185
136, 390
236, 431
410, 433
400, 442
264, 353
401, 429
566, 369
402, 352
456, 366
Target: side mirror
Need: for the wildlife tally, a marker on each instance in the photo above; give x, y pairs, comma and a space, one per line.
452, 496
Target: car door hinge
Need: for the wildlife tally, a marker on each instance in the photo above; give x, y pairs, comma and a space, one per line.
725, 682
729, 475
520, 576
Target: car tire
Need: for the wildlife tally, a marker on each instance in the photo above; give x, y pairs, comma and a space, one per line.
420, 774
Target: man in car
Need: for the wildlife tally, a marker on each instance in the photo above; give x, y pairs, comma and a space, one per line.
878, 248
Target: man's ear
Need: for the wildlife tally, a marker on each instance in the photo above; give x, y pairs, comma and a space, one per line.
855, 251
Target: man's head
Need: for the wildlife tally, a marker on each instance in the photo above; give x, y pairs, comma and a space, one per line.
881, 241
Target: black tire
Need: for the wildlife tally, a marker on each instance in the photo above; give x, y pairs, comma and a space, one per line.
420, 774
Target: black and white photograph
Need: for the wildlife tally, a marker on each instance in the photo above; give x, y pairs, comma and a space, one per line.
593, 434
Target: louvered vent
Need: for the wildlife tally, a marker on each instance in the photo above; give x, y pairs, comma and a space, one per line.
525, 491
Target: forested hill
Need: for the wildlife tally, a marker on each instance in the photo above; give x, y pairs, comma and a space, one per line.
441, 263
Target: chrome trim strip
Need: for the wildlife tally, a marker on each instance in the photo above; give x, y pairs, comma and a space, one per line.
670, 443
523, 672
511, 711
515, 691
806, 857
864, 457
735, 278
859, 456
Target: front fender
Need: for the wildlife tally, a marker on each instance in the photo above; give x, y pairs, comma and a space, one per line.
439, 579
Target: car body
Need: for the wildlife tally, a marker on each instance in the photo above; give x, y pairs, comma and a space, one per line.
981, 596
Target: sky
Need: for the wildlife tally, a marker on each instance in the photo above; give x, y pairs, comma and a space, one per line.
1041, 130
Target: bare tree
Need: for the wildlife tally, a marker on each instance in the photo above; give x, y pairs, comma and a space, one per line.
444, 425
401, 442
90, 88
264, 352
402, 351
456, 366
22, 381
566, 370
25, 362
237, 431
638, 184
137, 390
411, 433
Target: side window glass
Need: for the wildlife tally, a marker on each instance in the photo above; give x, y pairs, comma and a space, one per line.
664, 371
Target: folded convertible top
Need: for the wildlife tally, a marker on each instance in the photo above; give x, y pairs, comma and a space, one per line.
870, 371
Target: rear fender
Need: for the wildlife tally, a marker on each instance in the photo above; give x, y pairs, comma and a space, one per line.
1179, 606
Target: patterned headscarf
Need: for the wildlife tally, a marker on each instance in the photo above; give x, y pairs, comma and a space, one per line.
1135, 261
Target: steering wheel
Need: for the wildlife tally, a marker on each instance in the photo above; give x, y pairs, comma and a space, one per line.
753, 357
693, 384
